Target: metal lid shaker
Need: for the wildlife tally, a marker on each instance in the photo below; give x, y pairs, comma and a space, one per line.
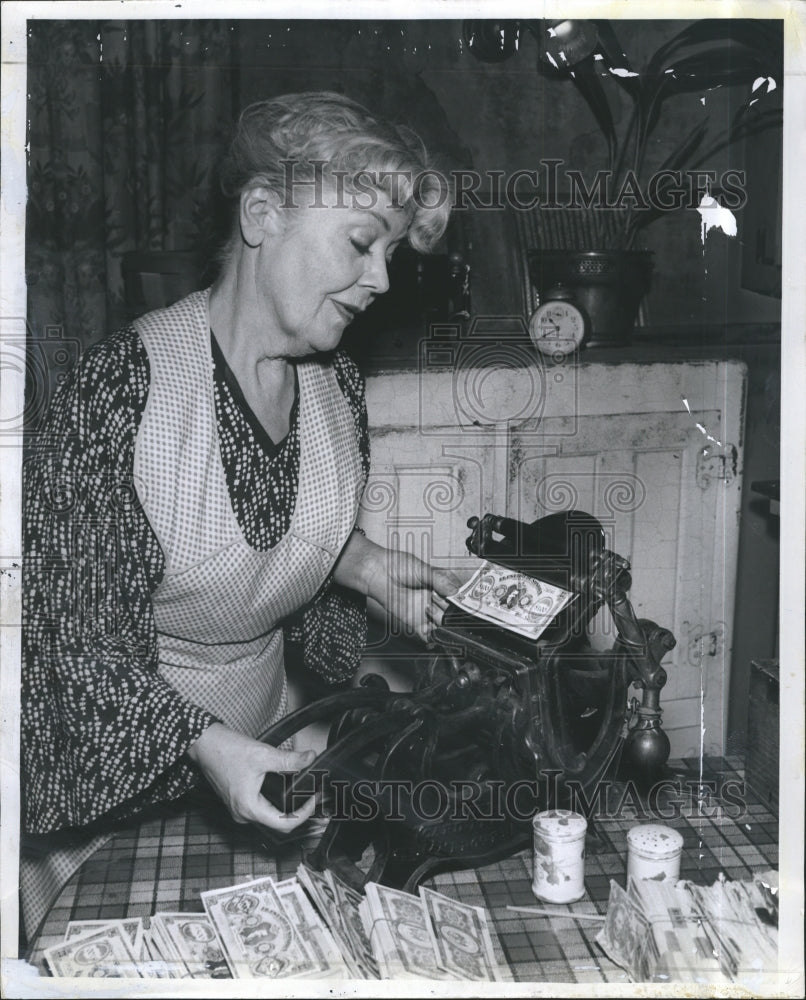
559, 856
653, 851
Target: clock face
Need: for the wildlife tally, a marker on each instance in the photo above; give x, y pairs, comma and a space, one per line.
557, 328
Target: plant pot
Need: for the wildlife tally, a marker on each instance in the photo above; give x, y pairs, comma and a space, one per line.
607, 284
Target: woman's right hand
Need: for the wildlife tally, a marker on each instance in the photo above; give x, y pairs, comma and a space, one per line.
236, 766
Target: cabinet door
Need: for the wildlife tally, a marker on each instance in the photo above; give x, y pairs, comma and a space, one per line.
653, 451
440, 447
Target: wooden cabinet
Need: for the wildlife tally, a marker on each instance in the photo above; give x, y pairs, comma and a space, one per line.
653, 450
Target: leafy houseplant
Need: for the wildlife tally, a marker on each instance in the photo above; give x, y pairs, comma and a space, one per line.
594, 242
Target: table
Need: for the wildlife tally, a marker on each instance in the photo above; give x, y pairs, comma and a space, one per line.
164, 864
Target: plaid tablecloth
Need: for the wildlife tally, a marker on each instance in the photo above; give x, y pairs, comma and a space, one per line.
164, 864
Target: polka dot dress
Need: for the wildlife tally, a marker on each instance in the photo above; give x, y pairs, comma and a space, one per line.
103, 734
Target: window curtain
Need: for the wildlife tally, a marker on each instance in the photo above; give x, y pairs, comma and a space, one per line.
127, 121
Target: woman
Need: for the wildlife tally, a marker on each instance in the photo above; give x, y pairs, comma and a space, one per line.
199, 484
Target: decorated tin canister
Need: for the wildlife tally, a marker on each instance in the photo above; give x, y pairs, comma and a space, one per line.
559, 856
653, 851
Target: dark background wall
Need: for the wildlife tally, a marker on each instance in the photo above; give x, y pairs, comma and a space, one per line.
506, 116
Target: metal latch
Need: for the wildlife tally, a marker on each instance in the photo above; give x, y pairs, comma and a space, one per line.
702, 644
716, 463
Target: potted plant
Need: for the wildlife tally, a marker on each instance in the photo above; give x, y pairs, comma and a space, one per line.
594, 243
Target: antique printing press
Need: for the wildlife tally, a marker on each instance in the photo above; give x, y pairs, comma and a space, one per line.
496, 727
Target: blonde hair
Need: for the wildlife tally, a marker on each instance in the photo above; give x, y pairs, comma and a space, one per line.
302, 134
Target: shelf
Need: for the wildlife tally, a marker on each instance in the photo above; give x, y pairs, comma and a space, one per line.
402, 349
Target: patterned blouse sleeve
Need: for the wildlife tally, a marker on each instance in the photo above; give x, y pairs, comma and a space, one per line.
102, 733
326, 638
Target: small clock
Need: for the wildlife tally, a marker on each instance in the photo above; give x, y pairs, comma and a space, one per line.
558, 326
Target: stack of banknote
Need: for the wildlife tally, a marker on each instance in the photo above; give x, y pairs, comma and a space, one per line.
664, 931
310, 926
512, 600
429, 936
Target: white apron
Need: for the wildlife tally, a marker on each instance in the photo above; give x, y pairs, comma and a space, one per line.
220, 602
219, 606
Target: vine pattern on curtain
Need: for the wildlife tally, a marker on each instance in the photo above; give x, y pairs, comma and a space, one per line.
127, 121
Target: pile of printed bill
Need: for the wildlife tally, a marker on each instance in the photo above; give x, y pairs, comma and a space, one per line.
666, 931
310, 926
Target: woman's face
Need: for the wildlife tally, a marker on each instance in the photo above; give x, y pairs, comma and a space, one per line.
323, 266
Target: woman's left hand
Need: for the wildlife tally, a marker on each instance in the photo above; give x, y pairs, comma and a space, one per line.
411, 591
404, 586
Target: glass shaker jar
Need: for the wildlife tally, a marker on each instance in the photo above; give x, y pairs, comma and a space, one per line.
559, 856
653, 851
